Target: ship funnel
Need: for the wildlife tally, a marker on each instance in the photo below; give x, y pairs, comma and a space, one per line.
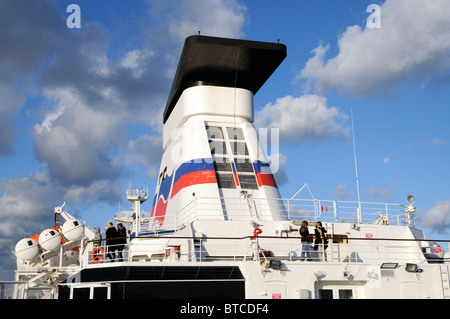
211, 147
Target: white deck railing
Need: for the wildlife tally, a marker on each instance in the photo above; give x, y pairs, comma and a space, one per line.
206, 249
205, 208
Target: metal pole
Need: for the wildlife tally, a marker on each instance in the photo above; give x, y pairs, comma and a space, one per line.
356, 170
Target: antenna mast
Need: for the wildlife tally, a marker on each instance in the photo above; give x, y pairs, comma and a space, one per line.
356, 169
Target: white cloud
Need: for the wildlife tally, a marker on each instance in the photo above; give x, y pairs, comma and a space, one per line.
24, 199
26, 207
342, 193
92, 97
438, 141
214, 17
75, 140
99, 191
303, 118
437, 217
379, 193
136, 61
145, 151
412, 41
10, 103
29, 35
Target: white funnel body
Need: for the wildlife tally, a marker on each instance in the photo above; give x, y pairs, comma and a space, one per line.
212, 156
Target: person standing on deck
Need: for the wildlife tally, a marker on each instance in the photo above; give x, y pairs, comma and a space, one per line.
111, 241
320, 243
304, 233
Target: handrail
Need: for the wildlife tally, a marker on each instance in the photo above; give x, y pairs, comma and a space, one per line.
275, 237
257, 209
293, 209
356, 249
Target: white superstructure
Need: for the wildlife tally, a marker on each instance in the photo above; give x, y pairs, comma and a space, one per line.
218, 227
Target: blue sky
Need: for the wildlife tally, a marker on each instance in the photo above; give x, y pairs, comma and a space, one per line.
81, 109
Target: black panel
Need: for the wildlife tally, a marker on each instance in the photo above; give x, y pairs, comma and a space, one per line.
183, 290
224, 62
173, 282
163, 290
159, 273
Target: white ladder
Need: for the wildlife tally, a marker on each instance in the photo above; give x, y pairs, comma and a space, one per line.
445, 281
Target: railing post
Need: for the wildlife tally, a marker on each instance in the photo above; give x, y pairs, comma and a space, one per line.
195, 209
387, 209
335, 211
387, 214
61, 256
359, 213
317, 208
331, 249
289, 209
81, 253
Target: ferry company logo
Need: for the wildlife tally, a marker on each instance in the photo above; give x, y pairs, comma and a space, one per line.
200, 171
161, 200
196, 172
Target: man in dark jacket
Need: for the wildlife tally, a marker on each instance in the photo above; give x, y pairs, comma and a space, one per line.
111, 241
122, 240
320, 242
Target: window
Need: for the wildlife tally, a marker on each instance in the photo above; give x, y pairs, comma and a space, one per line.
239, 148
243, 165
241, 159
248, 181
221, 164
230, 155
225, 180
217, 147
345, 294
340, 239
235, 133
325, 294
214, 132
162, 175
336, 292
